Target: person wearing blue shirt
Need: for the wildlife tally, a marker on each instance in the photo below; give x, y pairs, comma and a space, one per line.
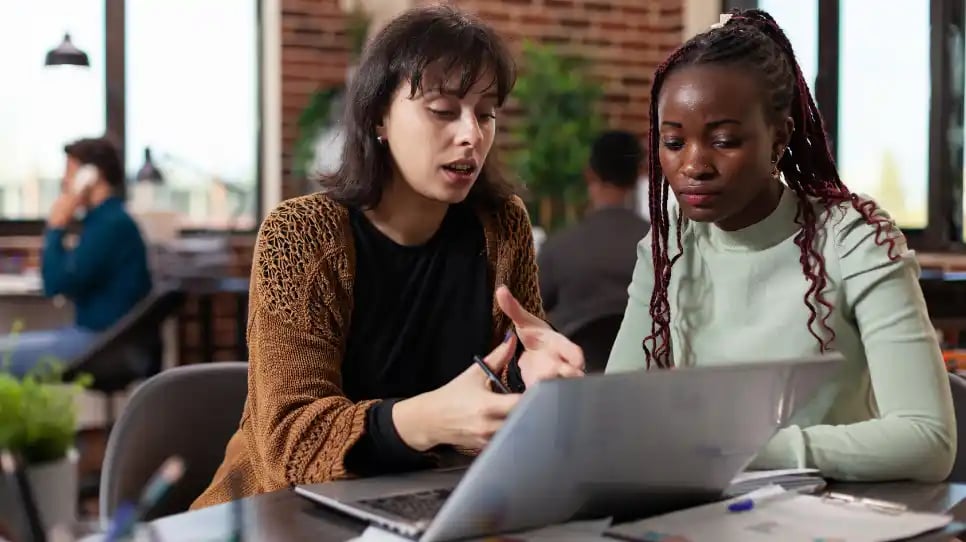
104, 275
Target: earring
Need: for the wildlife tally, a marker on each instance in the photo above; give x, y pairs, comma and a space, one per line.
381, 140
775, 172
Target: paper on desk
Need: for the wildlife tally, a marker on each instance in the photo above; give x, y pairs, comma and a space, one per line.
805, 480
783, 515
756, 475
574, 531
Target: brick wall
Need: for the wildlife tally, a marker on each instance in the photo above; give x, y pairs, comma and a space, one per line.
626, 39
315, 55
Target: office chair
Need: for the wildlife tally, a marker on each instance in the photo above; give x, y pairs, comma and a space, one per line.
596, 339
131, 350
957, 385
190, 411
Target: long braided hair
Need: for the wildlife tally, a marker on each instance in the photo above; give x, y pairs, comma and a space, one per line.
752, 40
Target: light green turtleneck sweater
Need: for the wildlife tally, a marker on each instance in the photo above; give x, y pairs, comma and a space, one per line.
739, 296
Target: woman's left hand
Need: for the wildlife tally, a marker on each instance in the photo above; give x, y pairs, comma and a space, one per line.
547, 354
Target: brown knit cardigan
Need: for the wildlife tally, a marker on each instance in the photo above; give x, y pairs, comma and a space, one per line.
297, 425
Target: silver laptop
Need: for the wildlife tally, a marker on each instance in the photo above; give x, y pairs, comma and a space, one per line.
622, 445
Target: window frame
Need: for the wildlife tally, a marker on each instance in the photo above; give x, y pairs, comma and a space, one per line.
116, 109
944, 229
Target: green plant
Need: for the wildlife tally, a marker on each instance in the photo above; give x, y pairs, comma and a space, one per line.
316, 117
38, 417
558, 102
357, 30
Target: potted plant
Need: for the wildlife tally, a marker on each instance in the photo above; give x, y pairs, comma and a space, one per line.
558, 123
38, 423
317, 148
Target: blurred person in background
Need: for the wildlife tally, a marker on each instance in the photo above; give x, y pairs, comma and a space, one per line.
585, 269
105, 275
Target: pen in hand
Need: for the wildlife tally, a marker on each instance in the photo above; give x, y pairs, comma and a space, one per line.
489, 374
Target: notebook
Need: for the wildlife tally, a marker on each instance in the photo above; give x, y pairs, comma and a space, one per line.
801, 480
778, 514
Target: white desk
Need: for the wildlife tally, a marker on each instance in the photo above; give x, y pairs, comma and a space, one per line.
21, 298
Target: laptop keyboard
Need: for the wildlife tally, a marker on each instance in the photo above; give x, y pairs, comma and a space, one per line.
419, 506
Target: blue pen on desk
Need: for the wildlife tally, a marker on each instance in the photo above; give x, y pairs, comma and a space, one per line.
751, 500
743, 505
124, 519
128, 514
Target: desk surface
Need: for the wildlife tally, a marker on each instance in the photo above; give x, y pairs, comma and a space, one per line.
283, 515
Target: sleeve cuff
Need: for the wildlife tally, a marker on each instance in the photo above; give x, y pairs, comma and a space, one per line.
381, 450
390, 451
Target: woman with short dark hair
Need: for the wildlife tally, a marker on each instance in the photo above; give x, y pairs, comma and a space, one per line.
370, 299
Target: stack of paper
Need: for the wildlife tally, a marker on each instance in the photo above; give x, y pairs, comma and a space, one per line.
777, 514
801, 480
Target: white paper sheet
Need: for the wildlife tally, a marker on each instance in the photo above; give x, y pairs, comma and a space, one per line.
782, 515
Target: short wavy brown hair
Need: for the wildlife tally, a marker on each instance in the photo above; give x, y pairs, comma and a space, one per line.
438, 35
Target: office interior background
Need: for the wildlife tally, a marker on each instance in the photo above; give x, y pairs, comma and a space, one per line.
224, 108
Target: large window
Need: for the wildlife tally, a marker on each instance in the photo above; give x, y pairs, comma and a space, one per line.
888, 76
193, 100
41, 108
190, 78
799, 20
884, 87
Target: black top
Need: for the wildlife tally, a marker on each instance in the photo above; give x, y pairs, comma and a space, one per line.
420, 315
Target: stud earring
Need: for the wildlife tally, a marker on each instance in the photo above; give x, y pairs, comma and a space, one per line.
381, 140
775, 172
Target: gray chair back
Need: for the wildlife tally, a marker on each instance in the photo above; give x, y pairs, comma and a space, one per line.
190, 411
132, 348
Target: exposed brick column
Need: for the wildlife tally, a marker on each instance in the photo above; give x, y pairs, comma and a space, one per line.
624, 39
315, 55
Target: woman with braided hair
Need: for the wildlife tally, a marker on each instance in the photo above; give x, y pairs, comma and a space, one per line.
764, 253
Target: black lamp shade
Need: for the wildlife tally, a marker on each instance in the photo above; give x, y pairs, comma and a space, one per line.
66, 54
148, 171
